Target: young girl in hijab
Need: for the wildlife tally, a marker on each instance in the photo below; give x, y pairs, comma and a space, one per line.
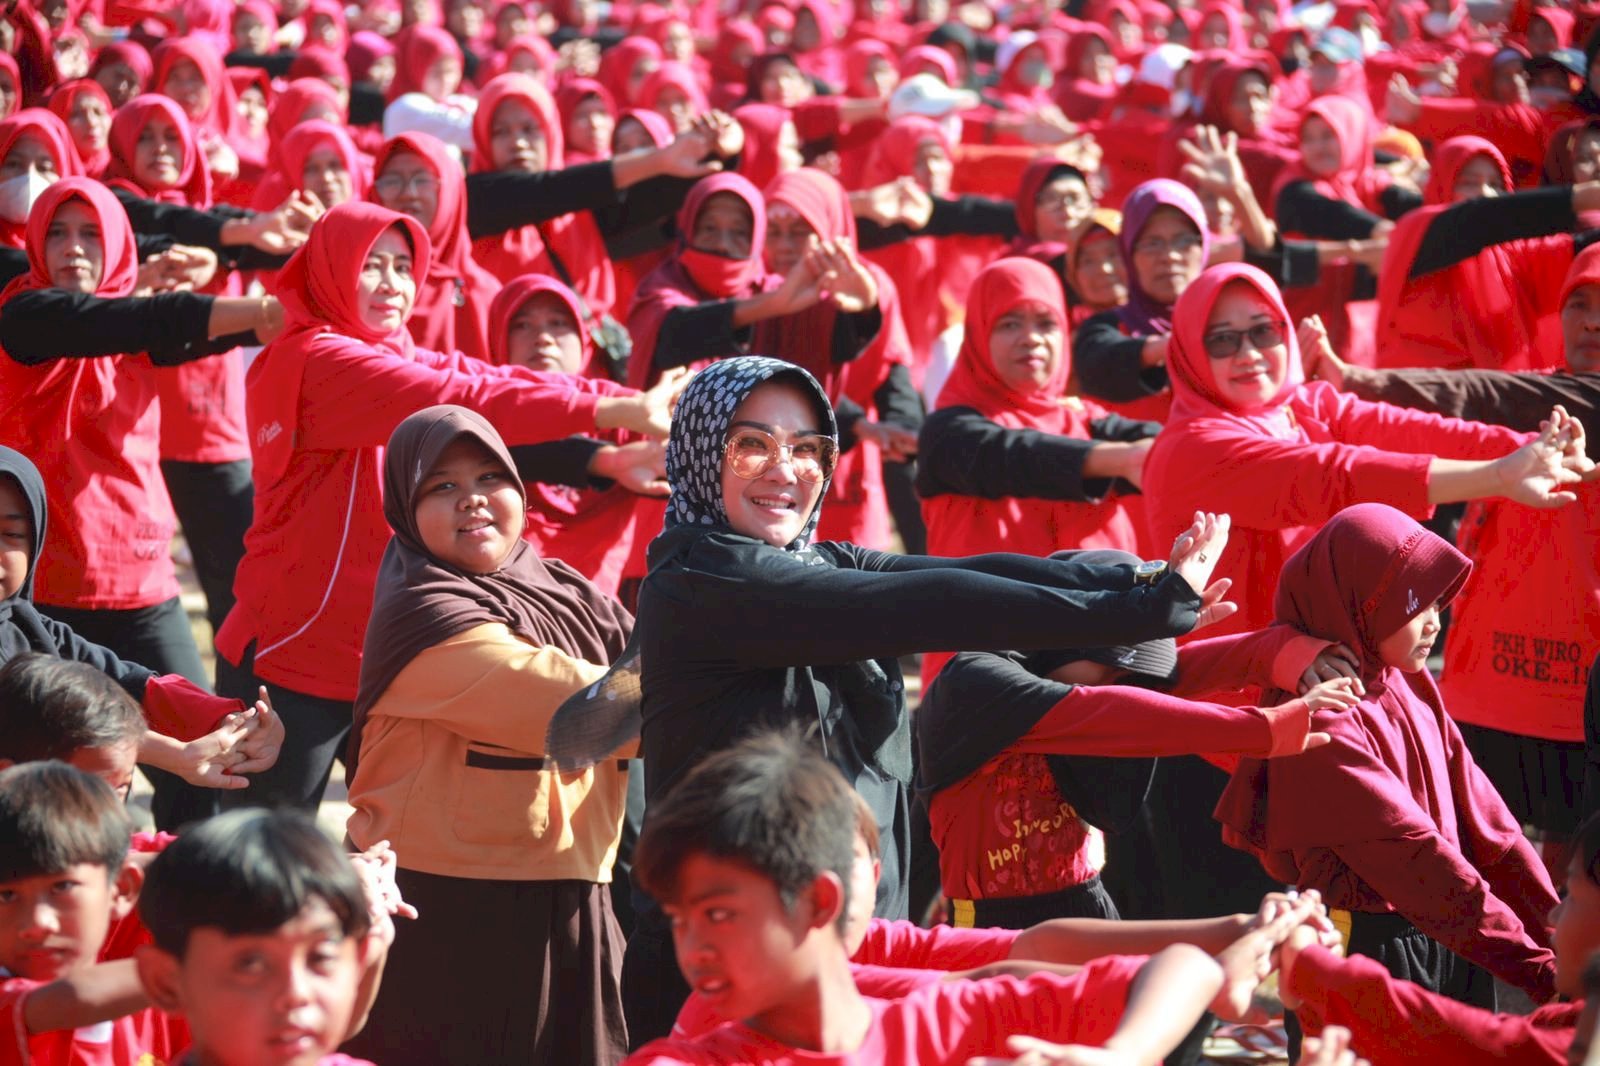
537, 322
1008, 461
86, 109
1472, 278
1095, 275
322, 400
35, 151
316, 160
673, 92
588, 119
1286, 456
190, 71
1405, 838
76, 398
510, 876
753, 447
1089, 81
122, 68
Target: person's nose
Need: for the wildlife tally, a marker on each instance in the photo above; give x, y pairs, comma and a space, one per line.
40, 923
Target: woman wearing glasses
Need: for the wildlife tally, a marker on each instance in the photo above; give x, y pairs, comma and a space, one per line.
744, 623
1249, 436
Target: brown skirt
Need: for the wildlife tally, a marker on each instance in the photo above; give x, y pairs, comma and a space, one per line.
499, 972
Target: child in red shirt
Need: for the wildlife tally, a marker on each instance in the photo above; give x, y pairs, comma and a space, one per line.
751, 855
64, 879
269, 941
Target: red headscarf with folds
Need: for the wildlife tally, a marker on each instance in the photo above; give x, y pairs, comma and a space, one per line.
1558, 159
422, 48
727, 72
574, 239
1264, 153
62, 102
316, 62
194, 180
675, 75
10, 72
1238, 39
915, 59
121, 270
1357, 181
570, 95
49, 131
1035, 177
858, 58
823, 61
320, 291
453, 295
1194, 389
806, 339
289, 163
616, 67
670, 286
254, 151
1083, 99
131, 54
291, 105
527, 55
366, 48
1364, 575
219, 115
268, 15
334, 12
1492, 311
763, 126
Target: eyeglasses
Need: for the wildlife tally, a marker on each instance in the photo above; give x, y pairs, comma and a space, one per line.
1060, 205
392, 185
1183, 243
752, 452
1225, 343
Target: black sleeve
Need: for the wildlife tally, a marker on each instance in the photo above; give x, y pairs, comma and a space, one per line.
641, 207
1463, 230
1117, 428
46, 324
1584, 239
1305, 211
897, 400
870, 234
558, 462
846, 413
13, 264
130, 677
959, 452
853, 333
1109, 362
1501, 397
187, 225
704, 331
972, 216
276, 64
1397, 200
1293, 264
498, 201
366, 104
876, 605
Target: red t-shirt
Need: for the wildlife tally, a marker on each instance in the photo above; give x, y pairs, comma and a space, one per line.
947, 1023
146, 1038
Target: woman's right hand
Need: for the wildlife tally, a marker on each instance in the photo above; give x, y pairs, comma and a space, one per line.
1195, 555
640, 467
1317, 357
1340, 694
1537, 474
1333, 663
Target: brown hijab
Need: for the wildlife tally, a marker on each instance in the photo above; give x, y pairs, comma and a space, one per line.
421, 601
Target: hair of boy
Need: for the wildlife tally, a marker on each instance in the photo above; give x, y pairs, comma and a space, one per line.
771, 803
247, 873
50, 708
54, 817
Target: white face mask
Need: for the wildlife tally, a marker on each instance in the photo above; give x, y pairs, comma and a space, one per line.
18, 194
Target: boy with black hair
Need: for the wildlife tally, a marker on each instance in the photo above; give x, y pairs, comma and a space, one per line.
68, 711
751, 855
269, 942
64, 879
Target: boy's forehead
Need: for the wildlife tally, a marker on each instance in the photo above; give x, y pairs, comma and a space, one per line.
78, 871
314, 922
703, 876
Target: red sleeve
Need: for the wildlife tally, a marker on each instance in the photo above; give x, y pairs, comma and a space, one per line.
356, 399
817, 119
1267, 483
13, 1030
176, 707
1424, 877
1393, 1021
1400, 429
893, 982
1274, 657
945, 948
1128, 722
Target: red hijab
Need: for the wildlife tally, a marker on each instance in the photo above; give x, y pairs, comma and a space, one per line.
422, 48
51, 132
121, 271
291, 105
675, 75
574, 239
616, 67
691, 277
1081, 98
268, 15
193, 187
289, 163
659, 129
1492, 311
334, 12
1357, 181
130, 54
219, 115
62, 102
858, 58
763, 127
453, 294
570, 95
1035, 177
11, 72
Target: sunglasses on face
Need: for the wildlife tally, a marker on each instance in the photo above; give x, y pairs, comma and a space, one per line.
1225, 343
752, 452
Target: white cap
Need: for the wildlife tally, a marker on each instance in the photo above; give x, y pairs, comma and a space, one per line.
927, 95
1162, 64
1012, 47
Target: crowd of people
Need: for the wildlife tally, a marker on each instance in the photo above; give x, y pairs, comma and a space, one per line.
845, 531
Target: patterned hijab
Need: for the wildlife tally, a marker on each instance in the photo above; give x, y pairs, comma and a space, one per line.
700, 427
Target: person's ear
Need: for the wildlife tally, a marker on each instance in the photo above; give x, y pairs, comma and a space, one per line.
125, 889
158, 973
827, 900
877, 870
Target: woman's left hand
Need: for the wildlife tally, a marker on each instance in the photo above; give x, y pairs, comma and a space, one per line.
258, 750
844, 279
640, 467
1574, 444
1214, 161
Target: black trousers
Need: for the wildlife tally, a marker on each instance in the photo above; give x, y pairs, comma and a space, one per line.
653, 988
215, 505
157, 637
315, 730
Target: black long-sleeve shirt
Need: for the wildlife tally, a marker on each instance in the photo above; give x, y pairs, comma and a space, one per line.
14, 261
1467, 228
1508, 398
706, 331
189, 225
962, 453
171, 327
499, 201
962, 216
1302, 209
